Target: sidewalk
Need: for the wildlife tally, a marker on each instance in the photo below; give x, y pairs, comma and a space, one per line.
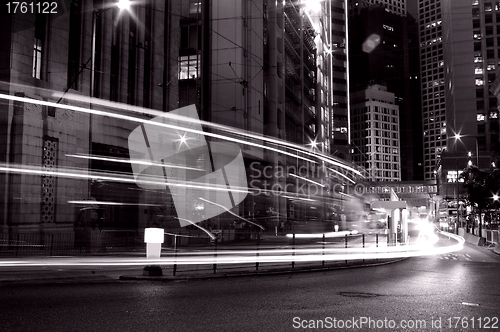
240, 270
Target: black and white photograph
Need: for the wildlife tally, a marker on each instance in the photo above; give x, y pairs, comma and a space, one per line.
249, 165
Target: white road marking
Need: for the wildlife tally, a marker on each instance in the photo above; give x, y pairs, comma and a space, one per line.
470, 304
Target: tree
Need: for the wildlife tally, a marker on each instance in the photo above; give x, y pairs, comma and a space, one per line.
479, 187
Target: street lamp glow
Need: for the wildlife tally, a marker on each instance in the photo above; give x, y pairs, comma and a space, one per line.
312, 5
124, 4
495, 197
458, 136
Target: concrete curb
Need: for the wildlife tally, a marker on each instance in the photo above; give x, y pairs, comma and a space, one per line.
268, 272
496, 250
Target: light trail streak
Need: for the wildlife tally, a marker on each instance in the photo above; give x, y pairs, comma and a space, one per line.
41, 171
305, 179
250, 256
300, 198
337, 172
129, 161
135, 109
231, 212
320, 235
90, 202
141, 110
148, 122
210, 234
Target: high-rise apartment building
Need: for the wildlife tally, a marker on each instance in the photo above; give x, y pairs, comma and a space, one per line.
459, 57
397, 7
270, 68
375, 133
383, 49
433, 83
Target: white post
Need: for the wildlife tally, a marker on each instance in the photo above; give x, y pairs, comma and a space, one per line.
153, 237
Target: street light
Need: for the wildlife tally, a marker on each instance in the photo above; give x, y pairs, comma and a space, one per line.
458, 137
124, 4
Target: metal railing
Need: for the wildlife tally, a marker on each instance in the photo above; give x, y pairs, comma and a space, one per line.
69, 243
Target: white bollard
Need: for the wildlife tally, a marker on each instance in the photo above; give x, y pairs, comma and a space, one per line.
153, 237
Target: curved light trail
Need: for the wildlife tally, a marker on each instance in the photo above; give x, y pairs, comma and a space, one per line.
253, 256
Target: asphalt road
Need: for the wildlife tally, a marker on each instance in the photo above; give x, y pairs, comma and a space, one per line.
418, 290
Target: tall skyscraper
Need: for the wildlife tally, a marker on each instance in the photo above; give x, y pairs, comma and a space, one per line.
433, 83
383, 49
375, 133
397, 7
459, 57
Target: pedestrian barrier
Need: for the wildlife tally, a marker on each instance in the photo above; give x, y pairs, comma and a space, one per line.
69, 243
492, 237
475, 240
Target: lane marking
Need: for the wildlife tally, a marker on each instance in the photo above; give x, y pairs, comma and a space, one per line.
470, 304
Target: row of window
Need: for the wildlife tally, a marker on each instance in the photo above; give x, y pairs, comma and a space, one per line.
481, 117
383, 166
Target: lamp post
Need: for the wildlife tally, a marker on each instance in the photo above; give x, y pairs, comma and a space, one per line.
458, 137
495, 202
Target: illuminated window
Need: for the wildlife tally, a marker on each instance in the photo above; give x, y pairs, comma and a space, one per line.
451, 176
480, 117
189, 67
37, 59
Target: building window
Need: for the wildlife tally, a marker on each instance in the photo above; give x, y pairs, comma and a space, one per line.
189, 67
37, 59
40, 26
